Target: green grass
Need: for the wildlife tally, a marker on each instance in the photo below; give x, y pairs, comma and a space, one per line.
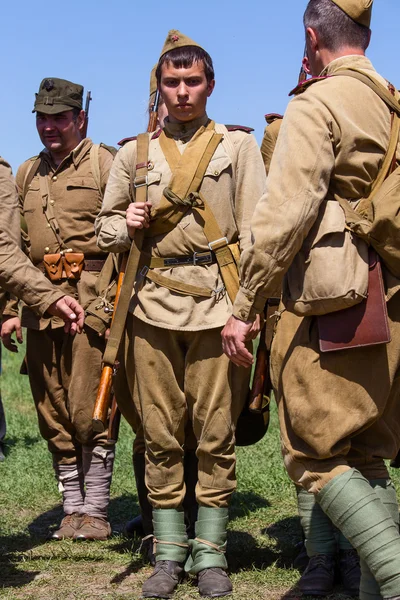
263, 528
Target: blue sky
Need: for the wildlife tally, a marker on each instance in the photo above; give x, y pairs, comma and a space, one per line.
111, 46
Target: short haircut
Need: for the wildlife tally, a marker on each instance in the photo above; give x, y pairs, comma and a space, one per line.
184, 58
335, 28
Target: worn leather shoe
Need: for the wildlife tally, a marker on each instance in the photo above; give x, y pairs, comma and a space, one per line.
301, 561
318, 578
214, 582
68, 527
164, 579
349, 571
93, 528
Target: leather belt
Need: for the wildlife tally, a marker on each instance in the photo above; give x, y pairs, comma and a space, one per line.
197, 258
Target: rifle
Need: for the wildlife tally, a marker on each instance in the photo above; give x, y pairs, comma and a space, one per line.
303, 74
258, 401
87, 106
103, 399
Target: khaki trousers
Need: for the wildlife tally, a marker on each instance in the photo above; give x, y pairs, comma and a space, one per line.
337, 410
64, 374
183, 376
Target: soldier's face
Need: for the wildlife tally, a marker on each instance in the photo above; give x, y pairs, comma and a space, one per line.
59, 133
185, 91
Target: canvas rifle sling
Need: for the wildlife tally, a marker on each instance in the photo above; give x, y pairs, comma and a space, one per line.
118, 323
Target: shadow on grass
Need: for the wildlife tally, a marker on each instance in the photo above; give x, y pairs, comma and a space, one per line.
287, 534
244, 503
14, 546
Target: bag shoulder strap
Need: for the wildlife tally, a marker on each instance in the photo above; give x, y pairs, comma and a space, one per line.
30, 174
227, 143
390, 96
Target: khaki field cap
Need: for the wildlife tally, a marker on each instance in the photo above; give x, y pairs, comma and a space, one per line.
176, 39
358, 10
58, 95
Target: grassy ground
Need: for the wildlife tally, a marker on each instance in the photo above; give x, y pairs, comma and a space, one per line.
263, 527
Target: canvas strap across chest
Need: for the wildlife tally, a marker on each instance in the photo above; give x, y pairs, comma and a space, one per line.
188, 170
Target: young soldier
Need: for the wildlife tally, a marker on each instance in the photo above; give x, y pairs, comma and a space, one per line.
338, 410
60, 194
195, 182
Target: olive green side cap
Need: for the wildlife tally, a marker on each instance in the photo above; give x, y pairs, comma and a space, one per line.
176, 39
153, 81
358, 10
58, 95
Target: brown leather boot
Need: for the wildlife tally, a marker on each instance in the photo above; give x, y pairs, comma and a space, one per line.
164, 579
68, 527
318, 578
214, 582
350, 572
93, 528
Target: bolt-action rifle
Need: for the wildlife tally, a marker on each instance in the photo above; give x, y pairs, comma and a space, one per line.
103, 400
87, 107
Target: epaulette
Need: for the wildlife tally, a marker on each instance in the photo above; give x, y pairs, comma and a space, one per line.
304, 85
125, 140
109, 149
155, 135
239, 128
271, 117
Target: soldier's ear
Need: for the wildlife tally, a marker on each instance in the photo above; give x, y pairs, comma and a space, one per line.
312, 39
81, 120
210, 87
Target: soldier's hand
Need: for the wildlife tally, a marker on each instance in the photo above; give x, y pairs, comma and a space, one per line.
8, 326
256, 327
234, 337
137, 216
70, 311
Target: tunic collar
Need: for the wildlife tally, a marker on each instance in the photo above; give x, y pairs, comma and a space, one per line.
353, 60
75, 156
185, 130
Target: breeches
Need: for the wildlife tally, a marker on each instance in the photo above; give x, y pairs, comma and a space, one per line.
337, 410
64, 374
182, 377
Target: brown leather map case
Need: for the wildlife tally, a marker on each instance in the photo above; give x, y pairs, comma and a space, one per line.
364, 324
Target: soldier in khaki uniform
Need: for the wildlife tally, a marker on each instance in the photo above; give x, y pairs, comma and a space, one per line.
177, 311
338, 410
12, 276
60, 194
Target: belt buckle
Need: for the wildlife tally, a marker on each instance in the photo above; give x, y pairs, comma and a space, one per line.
206, 261
142, 179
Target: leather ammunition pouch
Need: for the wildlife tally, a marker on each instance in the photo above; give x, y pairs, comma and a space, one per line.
53, 266
73, 264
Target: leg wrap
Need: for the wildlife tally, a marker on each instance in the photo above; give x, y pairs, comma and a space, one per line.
209, 545
369, 589
97, 469
318, 529
70, 484
354, 506
170, 538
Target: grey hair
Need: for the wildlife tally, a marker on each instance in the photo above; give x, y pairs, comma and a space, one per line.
335, 28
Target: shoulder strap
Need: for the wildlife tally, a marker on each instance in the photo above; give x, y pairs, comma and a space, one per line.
30, 174
391, 99
95, 164
48, 209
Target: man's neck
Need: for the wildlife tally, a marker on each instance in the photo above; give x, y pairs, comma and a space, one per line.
327, 56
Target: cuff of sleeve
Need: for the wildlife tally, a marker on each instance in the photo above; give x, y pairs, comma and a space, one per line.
42, 307
248, 305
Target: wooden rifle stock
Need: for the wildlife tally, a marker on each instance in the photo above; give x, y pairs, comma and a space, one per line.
103, 399
261, 387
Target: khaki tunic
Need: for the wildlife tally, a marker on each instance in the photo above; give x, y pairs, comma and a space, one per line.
174, 353
333, 138
64, 393
270, 138
17, 274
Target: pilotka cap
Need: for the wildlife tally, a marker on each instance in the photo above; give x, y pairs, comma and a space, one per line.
58, 95
358, 10
176, 39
